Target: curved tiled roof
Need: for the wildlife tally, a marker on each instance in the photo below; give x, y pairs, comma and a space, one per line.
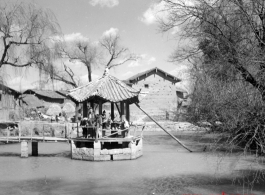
107, 88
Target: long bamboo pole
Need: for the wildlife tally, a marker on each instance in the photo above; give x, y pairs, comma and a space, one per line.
164, 129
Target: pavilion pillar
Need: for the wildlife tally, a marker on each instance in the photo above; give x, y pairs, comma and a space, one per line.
112, 110
76, 117
128, 111
92, 105
100, 108
76, 111
34, 148
122, 108
85, 111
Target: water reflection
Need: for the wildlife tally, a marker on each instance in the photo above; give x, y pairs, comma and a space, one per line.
165, 168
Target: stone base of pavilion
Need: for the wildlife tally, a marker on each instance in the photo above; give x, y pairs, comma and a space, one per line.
107, 149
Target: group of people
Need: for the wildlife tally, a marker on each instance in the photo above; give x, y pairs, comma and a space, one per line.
94, 121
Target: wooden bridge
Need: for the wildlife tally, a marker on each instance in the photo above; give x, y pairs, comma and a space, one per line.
105, 139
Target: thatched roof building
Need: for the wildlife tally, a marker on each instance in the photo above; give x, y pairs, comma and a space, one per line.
31, 101
48, 96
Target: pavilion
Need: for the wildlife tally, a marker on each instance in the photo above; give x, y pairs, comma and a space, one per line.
106, 89
101, 148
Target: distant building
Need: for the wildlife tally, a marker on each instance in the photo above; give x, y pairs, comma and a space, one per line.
158, 92
47, 97
44, 98
30, 101
8, 102
65, 94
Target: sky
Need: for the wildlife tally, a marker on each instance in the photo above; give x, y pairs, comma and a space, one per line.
134, 20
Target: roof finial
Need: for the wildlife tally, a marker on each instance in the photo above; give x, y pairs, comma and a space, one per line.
106, 72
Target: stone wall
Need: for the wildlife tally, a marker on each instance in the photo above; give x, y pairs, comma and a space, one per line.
134, 150
161, 96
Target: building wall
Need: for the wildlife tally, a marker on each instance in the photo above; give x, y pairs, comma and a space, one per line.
161, 96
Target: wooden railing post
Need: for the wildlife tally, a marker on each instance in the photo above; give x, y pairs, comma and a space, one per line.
7, 134
19, 131
97, 129
65, 131
43, 132
77, 130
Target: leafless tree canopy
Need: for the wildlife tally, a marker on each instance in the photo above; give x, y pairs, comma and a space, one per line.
116, 54
83, 51
228, 36
231, 32
25, 31
107, 53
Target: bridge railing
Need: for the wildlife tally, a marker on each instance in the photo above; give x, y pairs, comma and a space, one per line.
22, 129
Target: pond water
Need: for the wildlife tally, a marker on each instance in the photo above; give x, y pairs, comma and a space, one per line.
165, 168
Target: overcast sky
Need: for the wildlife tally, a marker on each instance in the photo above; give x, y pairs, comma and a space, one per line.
134, 20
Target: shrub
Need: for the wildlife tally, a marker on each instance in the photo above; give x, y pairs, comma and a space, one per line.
236, 105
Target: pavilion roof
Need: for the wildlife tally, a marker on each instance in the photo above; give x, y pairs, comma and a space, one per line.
107, 88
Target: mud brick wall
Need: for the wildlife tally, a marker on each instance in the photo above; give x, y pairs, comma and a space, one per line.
161, 95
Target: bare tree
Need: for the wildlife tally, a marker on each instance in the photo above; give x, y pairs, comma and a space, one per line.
83, 51
229, 38
234, 29
65, 75
116, 54
25, 31
108, 53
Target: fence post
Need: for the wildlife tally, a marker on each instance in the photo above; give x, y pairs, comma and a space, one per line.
77, 129
7, 134
65, 131
43, 132
31, 132
19, 131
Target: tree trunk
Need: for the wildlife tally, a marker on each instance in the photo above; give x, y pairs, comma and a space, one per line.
89, 72
247, 76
